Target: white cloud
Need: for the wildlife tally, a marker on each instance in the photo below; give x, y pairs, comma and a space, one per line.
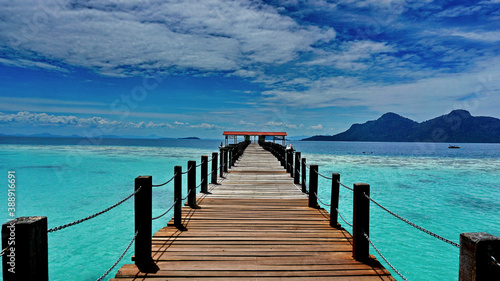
205, 126
24, 118
316, 127
422, 98
352, 55
121, 38
459, 11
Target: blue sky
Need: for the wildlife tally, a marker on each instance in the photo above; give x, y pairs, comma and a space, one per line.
197, 68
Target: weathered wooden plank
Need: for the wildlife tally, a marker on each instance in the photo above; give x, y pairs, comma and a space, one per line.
256, 225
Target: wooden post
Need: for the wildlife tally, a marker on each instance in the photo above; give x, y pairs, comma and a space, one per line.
221, 154
304, 188
313, 187
230, 158
191, 183
296, 175
26, 257
476, 252
282, 156
226, 159
289, 162
143, 214
178, 197
361, 222
215, 155
334, 200
204, 174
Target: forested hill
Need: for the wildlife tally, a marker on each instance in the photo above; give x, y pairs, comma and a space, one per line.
459, 126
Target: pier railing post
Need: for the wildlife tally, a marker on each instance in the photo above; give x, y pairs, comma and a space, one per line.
226, 159
221, 154
143, 214
313, 187
361, 222
289, 162
334, 200
178, 197
230, 158
191, 183
221, 165
215, 156
204, 174
26, 257
296, 174
304, 188
477, 251
282, 156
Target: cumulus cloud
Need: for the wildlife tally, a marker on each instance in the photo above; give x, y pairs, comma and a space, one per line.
24, 118
316, 127
121, 38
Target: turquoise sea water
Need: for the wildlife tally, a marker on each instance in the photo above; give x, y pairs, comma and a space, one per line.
444, 190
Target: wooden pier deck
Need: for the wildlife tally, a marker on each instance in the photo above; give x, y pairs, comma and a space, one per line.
255, 225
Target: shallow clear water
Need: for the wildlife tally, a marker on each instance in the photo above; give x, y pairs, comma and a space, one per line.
446, 191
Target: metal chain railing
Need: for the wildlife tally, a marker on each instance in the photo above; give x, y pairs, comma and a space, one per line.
321, 201
203, 180
200, 164
187, 195
171, 179
323, 176
185, 172
4, 251
351, 189
412, 224
155, 218
494, 261
340, 215
120, 258
380, 254
94, 215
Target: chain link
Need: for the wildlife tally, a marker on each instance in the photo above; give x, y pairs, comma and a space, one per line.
340, 215
412, 224
94, 215
171, 179
4, 251
120, 258
155, 218
380, 254
200, 164
203, 180
187, 195
351, 189
495, 261
328, 205
185, 172
323, 176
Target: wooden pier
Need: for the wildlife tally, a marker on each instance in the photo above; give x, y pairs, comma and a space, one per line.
255, 224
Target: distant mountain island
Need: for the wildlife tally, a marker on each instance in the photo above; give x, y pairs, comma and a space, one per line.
459, 126
189, 138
